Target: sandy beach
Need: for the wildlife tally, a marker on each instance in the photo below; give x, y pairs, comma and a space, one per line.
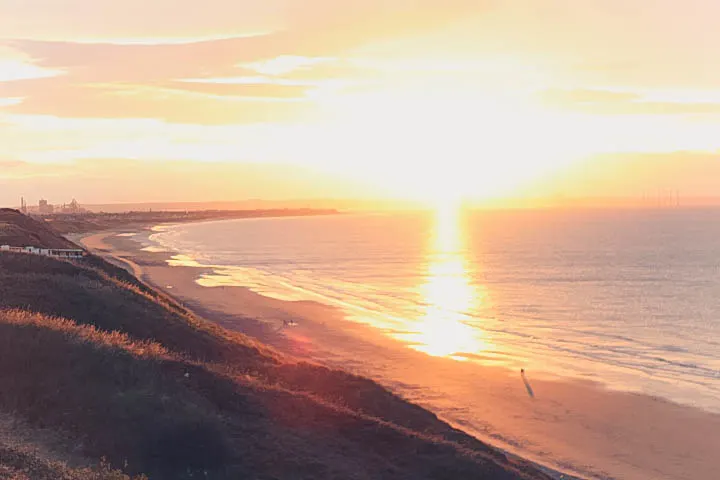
575, 426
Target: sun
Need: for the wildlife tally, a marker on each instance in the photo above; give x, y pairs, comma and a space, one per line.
436, 145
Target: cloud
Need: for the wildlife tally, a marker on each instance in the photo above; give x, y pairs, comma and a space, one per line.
99, 78
251, 89
95, 181
139, 63
615, 102
310, 29
638, 175
8, 102
16, 65
42, 138
16, 170
171, 101
286, 63
8, 164
587, 96
109, 19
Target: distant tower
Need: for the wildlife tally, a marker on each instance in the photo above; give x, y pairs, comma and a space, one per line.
23, 206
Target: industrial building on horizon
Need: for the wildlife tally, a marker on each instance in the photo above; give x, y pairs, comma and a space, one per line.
46, 208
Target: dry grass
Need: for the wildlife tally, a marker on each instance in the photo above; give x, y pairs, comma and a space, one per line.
18, 464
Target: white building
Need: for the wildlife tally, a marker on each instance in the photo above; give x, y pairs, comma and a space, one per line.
46, 252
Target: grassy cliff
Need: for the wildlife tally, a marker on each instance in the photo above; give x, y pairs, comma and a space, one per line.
125, 374
20, 231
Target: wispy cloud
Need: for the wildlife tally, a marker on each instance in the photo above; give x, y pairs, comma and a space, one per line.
16, 65
7, 102
618, 102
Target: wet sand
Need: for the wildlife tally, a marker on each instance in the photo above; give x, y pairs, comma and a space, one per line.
575, 426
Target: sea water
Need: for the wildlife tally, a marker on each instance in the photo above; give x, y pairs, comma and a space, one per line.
626, 298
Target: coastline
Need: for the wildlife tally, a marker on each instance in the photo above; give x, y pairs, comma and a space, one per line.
138, 383
570, 426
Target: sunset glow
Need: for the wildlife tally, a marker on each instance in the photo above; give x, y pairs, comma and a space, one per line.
443, 329
487, 101
323, 239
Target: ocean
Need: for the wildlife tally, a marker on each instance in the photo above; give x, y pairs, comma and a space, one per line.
629, 299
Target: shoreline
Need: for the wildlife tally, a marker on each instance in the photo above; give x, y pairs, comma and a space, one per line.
573, 425
130, 380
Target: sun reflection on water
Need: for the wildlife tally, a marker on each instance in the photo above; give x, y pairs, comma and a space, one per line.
443, 330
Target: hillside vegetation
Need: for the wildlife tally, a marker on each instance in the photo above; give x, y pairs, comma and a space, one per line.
20, 464
20, 231
128, 375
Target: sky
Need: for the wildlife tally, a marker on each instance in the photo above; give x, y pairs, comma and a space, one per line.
188, 100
